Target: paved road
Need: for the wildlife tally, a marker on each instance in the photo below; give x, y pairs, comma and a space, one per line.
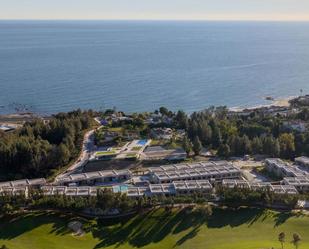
88, 147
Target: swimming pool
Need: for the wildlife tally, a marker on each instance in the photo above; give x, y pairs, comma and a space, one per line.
142, 142
120, 189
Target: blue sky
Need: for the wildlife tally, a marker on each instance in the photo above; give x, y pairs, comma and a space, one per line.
156, 9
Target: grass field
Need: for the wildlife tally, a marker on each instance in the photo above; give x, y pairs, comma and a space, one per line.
242, 229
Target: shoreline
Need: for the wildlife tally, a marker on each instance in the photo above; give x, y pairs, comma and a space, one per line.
278, 102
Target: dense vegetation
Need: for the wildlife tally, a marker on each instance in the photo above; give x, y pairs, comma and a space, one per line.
234, 135
230, 134
40, 147
243, 196
104, 201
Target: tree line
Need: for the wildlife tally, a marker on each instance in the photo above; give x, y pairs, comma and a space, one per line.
40, 147
107, 200
234, 135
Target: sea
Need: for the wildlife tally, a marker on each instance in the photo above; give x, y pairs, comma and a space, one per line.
53, 66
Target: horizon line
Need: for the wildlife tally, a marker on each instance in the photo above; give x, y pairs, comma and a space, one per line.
159, 20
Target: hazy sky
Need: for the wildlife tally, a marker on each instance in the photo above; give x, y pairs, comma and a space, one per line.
156, 9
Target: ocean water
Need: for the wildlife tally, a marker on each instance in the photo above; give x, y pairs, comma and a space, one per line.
52, 66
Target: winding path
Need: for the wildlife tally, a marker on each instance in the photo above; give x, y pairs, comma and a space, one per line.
88, 147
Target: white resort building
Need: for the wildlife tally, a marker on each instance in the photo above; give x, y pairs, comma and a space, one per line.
278, 189
96, 178
302, 161
216, 170
283, 169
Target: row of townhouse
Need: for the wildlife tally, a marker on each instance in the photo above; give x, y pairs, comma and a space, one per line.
302, 161
19, 187
69, 191
20, 190
213, 171
24, 182
278, 189
167, 189
300, 183
170, 189
283, 169
164, 174
293, 175
180, 187
96, 178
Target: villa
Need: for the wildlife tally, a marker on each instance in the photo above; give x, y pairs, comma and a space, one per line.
161, 133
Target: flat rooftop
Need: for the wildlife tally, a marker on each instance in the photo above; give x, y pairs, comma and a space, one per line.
14, 190
69, 191
297, 181
279, 189
24, 182
285, 168
183, 171
303, 160
94, 175
169, 188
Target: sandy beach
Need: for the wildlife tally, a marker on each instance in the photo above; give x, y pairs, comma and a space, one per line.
280, 102
284, 102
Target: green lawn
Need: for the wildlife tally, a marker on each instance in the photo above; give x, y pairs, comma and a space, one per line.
136, 148
131, 155
115, 129
106, 153
244, 229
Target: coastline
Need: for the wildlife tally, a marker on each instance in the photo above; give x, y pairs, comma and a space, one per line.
279, 102
17, 119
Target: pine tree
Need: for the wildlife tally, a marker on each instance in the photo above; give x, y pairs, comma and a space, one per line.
224, 150
197, 146
187, 145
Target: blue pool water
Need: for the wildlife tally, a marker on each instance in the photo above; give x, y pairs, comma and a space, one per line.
142, 142
120, 188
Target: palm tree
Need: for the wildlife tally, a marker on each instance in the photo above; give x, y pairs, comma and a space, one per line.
281, 238
296, 240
